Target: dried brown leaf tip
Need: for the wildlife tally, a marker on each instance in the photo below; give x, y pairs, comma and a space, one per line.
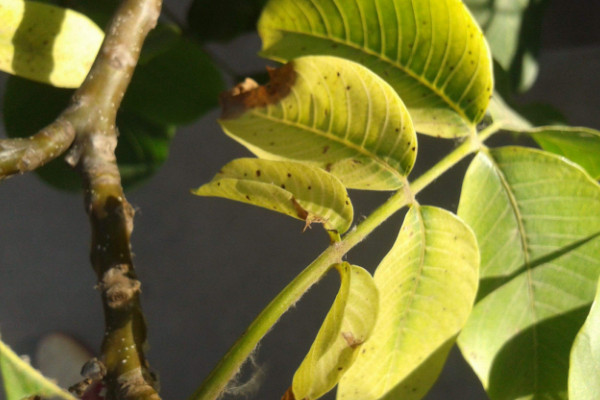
288, 395
249, 94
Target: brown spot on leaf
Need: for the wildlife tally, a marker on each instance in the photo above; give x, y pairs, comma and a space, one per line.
258, 172
325, 149
288, 395
351, 340
300, 211
249, 94
328, 167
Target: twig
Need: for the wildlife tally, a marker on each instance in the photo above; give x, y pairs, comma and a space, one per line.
26, 154
88, 128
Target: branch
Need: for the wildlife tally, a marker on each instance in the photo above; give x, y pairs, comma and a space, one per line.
87, 127
228, 366
26, 154
93, 114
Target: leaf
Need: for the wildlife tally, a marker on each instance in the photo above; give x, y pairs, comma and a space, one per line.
537, 221
143, 145
578, 144
512, 28
22, 380
330, 113
176, 85
347, 326
584, 371
46, 43
300, 191
427, 285
142, 148
431, 52
223, 20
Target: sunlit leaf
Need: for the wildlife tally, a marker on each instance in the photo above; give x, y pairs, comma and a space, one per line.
347, 326
431, 52
537, 221
298, 190
427, 285
584, 371
328, 112
512, 28
22, 380
46, 43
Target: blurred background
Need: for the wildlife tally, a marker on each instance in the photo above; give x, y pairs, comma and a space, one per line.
208, 266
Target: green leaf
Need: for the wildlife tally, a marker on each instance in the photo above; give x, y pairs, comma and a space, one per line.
512, 28
46, 43
29, 106
22, 380
431, 52
142, 148
327, 112
427, 285
223, 20
581, 145
298, 190
537, 221
176, 83
347, 326
584, 371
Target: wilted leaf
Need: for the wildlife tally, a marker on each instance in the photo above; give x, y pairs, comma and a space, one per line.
431, 52
46, 43
328, 112
427, 285
584, 371
22, 380
347, 326
298, 190
537, 221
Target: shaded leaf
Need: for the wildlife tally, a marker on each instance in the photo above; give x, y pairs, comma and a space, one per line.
427, 285
22, 380
29, 106
512, 29
142, 148
176, 83
224, 19
537, 221
431, 52
584, 371
328, 112
46, 43
581, 145
298, 190
502, 113
98, 11
347, 326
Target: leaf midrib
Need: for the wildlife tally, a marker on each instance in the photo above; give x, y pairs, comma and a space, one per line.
387, 60
526, 263
334, 138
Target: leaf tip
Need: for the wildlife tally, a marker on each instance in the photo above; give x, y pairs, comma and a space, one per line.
249, 94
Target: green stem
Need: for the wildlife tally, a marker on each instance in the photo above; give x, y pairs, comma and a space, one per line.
239, 352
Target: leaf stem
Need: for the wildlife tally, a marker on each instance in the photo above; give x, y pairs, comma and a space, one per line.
229, 365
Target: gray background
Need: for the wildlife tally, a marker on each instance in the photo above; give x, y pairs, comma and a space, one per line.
208, 266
